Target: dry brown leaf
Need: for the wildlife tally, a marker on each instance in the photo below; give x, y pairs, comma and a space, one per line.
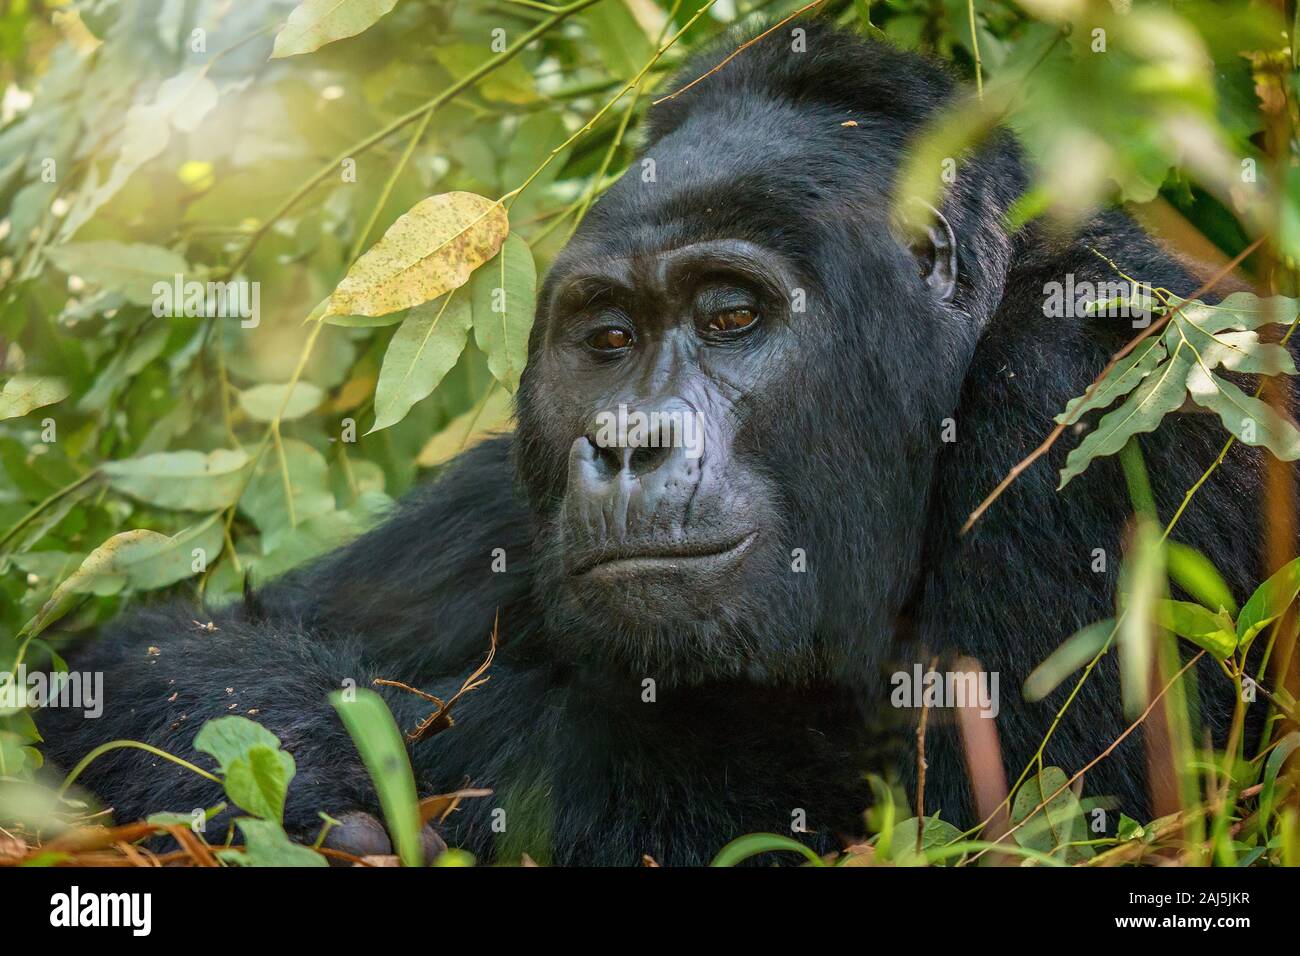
442, 805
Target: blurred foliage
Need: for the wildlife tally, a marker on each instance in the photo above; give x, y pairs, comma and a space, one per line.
270, 144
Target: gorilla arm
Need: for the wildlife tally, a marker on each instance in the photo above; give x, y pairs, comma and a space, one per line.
413, 600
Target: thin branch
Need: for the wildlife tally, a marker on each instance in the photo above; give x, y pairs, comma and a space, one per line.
739, 50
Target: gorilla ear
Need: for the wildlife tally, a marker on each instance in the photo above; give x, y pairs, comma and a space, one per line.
932, 242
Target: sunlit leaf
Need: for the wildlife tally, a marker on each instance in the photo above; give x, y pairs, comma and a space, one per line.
1126, 375
1072, 654
22, 393
1060, 823
314, 23
139, 559
741, 849
129, 268
258, 781
1141, 586
426, 253
1159, 393
263, 402
468, 429
1252, 421
308, 485
266, 844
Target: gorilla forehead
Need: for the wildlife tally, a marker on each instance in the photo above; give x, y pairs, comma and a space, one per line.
766, 171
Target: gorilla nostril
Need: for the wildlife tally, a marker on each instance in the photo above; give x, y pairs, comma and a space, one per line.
608, 458
647, 459
637, 461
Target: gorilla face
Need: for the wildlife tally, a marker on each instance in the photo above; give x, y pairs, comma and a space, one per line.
656, 356
719, 423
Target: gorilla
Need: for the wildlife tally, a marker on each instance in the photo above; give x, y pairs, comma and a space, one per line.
696, 639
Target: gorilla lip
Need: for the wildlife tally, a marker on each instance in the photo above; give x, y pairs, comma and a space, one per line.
666, 557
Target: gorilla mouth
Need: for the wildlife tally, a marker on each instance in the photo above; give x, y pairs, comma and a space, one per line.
693, 555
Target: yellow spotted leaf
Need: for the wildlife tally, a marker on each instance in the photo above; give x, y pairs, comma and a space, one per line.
426, 253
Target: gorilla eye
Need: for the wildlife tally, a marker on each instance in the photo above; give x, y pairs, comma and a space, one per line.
732, 320
610, 340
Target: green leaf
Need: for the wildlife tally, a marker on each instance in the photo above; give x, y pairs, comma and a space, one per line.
1199, 339
157, 563
320, 533
229, 739
1240, 310
1073, 653
1196, 574
262, 402
1159, 393
742, 848
504, 300
1142, 584
1252, 421
1059, 823
141, 559
1238, 351
185, 99
22, 393
180, 102
264, 498
1204, 628
184, 480
383, 751
314, 23
1268, 603
468, 429
266, 844
1129, 829
259, 781
1121, 380
256, 771
128, 268
454, 858
623, 45
421, 352
1284, 749
902, 843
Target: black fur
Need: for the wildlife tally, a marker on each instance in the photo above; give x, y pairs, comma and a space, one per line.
778, 703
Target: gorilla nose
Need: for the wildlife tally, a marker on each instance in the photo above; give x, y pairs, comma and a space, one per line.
637, 442
637, 462
634, 470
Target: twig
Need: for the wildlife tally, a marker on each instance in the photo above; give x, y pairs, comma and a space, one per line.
920, 767
441, 719
736, 52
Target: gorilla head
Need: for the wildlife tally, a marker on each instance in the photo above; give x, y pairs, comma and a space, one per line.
784, 355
